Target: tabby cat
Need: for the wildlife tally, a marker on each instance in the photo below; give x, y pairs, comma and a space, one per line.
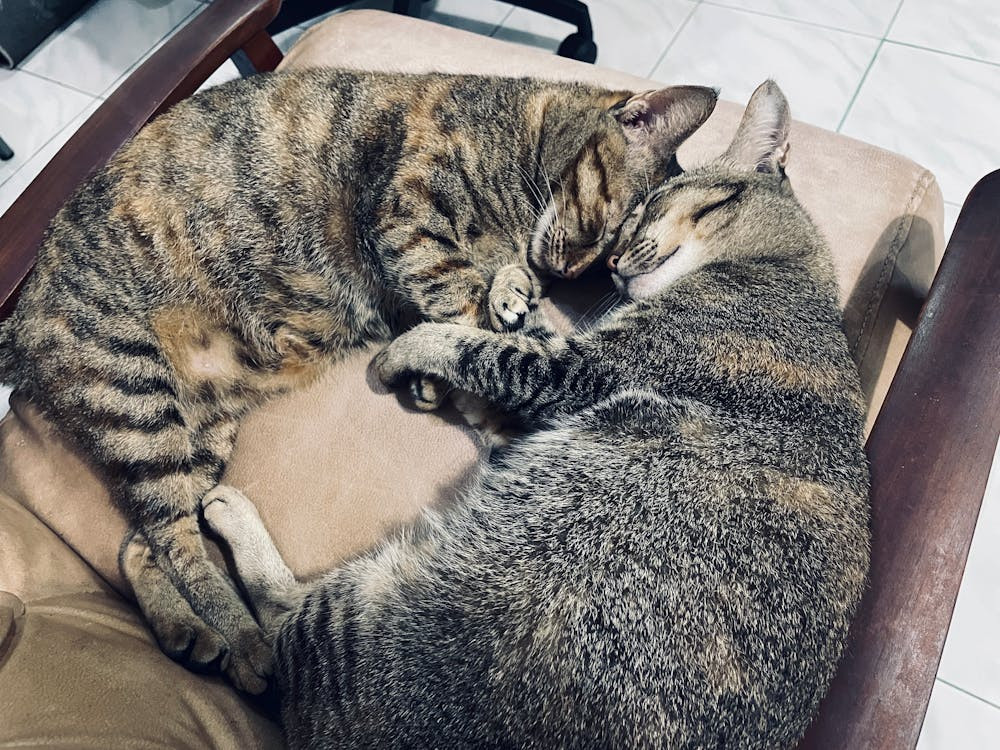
261, 229
671, 558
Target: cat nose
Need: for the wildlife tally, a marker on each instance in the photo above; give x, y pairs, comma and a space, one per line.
613, 261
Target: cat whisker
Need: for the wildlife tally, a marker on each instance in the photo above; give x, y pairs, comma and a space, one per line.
548, 184
615, 300
535, 191
548, 180
598, 310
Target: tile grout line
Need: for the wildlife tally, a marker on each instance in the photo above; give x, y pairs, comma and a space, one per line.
885, 38
67, 86
892, 21
857, 90
55, 135
778, 17
502, 21
113, 86
104, 93
673, 39
871, 64
93, 98
804, 22
969, 693
102, 97
958, 55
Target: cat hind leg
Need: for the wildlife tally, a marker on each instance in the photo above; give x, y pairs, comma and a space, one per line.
182, 635
269, 584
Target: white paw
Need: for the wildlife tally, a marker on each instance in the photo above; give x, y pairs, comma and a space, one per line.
227, 511
513, 294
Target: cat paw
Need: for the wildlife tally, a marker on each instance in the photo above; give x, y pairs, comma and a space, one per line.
182, 635
428, 393
244, 657
513, 294
250, 661
227, 511
192, 643
415, 354
221, 636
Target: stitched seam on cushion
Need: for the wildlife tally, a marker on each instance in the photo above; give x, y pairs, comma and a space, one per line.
889, 264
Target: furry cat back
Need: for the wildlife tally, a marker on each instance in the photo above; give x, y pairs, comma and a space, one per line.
671, 557
259, 230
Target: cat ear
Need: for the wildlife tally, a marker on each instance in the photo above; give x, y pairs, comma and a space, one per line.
761, 141
660, 121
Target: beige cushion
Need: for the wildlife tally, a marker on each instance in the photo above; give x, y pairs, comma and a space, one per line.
335, 466
79, 668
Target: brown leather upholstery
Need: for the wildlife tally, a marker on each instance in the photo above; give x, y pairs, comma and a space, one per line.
336, 465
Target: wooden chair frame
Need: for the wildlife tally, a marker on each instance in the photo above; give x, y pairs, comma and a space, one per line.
930, 448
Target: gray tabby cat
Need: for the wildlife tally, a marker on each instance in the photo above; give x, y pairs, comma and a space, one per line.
258, 231
671, 558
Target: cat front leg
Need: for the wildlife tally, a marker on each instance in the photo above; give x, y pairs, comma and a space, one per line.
270, 586
511, 305
526, 377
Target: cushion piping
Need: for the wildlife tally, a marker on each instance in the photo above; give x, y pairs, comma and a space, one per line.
917, 195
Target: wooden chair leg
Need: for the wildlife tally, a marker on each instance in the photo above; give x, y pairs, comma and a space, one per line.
259, 55
407, 7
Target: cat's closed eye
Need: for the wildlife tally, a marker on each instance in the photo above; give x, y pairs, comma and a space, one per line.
592, 235
628, 228
715, 205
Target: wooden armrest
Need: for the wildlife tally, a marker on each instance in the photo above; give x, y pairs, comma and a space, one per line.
170, 74
931, 449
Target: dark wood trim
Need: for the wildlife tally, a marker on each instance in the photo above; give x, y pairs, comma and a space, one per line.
931, 449
262, 52
172, 73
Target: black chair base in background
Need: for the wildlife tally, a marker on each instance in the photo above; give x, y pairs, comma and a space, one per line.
579, 45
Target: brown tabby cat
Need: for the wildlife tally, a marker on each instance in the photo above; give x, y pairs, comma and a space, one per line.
259, 230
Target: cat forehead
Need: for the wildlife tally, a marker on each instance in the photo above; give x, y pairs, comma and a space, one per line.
688, 189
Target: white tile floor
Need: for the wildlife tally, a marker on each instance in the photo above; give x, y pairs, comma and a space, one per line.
921, 77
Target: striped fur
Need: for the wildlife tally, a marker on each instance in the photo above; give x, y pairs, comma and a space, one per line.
259, 230
670, 557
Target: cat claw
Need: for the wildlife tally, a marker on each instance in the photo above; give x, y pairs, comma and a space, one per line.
195, 645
